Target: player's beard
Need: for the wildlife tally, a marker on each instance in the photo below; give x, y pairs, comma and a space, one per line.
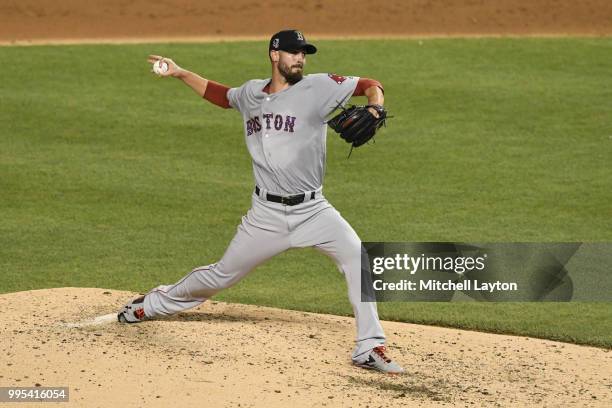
292, 77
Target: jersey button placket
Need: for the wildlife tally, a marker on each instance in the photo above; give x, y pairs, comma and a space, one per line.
266, 134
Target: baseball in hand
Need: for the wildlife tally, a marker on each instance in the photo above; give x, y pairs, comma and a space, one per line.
160, 67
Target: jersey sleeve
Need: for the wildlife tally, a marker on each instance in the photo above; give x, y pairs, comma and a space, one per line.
333, 91
237, 96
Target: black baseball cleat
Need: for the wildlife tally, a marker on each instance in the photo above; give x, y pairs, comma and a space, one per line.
133, 312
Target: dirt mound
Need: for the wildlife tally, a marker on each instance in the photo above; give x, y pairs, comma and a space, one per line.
43, 20
236, 355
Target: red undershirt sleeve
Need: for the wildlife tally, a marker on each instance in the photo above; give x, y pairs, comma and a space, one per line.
217, 93
365, 83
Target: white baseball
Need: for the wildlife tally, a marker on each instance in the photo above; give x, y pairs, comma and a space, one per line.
160, 67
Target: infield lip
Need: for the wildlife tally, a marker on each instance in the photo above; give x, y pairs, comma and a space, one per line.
315, 37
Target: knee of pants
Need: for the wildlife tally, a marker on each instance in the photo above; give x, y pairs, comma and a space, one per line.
352, 257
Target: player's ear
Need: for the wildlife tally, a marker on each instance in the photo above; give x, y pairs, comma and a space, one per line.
274, 56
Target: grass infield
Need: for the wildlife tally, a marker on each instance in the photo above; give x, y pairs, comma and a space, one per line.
111, 177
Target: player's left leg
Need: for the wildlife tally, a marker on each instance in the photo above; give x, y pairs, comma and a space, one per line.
329, 232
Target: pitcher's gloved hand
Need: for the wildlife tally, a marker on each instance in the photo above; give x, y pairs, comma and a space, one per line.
357, 124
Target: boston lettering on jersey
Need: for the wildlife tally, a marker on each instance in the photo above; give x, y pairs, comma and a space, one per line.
270, 120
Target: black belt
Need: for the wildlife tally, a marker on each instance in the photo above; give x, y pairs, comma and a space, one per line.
287, 200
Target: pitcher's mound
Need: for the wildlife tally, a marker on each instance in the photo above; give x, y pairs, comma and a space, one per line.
248, 356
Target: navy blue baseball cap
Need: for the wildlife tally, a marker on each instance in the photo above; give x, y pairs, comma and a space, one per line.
291, 40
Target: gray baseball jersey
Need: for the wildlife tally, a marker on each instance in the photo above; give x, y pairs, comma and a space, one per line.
285, 132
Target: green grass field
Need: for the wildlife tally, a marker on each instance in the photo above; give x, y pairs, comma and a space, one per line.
111, 177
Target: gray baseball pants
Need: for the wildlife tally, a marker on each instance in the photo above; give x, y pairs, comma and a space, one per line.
266, 230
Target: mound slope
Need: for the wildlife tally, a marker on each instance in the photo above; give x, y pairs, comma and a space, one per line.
249, 356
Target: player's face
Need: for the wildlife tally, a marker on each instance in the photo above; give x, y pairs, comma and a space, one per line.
291, 65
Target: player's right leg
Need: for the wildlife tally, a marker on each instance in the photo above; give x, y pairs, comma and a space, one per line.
261, 235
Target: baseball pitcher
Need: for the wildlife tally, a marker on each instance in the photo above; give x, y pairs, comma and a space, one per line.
285, 132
